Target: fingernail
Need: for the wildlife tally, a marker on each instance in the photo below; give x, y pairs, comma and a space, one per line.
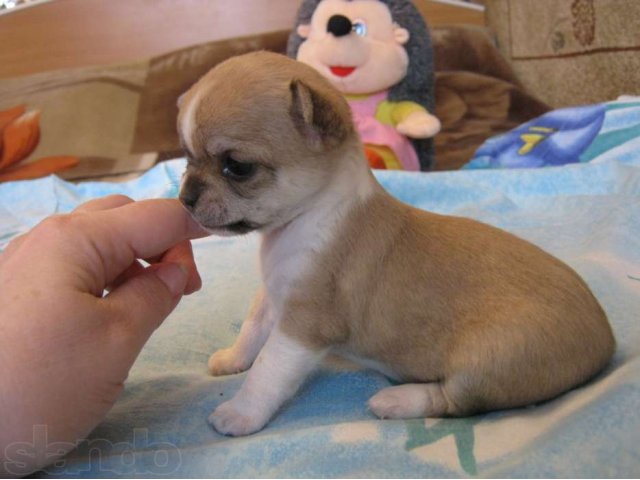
194, 284
174, 276
195, 230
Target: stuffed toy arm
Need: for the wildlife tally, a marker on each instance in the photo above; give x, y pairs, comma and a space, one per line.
414, 121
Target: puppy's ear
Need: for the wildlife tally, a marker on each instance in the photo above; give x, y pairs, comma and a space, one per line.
315, 117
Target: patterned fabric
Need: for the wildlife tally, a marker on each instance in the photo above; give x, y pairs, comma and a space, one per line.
570, 52
587, 214
588, 133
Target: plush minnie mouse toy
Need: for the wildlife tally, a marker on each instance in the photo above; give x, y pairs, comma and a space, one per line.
378, 53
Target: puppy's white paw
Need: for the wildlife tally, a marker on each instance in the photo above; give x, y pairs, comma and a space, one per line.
230, 419
409, 401
405, 401
227, 361
388, 404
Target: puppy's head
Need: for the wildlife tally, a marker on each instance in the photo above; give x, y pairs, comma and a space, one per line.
262, 134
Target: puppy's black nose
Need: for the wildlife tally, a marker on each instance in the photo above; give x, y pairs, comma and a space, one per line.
189, 199
339, 26
190, 192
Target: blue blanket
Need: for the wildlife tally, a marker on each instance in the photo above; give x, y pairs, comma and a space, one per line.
587, 214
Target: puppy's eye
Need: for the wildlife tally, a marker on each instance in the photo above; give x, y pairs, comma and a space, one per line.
360, 28
238, 171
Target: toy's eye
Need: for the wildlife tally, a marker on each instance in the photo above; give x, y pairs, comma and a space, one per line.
238, 171
360, 28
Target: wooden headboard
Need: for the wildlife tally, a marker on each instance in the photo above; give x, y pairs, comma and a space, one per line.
58, 34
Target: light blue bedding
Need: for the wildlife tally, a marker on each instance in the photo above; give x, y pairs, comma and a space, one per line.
587, 214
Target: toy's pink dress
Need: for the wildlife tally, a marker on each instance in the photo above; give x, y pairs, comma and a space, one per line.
373, 132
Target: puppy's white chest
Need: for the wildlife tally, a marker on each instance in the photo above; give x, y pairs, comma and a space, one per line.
288, 256
284, 263
283, 273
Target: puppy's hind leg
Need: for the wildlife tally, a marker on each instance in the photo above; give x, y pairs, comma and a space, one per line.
412, 400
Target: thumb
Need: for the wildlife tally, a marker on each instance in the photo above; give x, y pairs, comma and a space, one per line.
145, 300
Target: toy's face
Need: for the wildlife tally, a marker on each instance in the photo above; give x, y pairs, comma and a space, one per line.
356, 45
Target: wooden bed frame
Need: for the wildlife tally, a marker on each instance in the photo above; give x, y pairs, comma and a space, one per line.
57, 34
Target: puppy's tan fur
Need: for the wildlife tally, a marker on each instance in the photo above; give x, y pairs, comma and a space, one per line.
470, 317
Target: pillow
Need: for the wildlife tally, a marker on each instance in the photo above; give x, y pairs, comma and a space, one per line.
88, 112
117, 118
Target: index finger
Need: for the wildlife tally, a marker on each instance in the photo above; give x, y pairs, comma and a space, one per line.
150, 227
104, 203
141, 229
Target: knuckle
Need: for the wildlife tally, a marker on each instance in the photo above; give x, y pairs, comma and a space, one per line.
56, 226
65, 232
14, 243
120, 197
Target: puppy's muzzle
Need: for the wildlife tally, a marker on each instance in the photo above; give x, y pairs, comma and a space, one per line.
190, 192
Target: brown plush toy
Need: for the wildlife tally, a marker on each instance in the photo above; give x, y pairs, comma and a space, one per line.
378, 53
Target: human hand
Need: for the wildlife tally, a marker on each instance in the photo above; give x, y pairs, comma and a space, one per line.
65, 349
419, 125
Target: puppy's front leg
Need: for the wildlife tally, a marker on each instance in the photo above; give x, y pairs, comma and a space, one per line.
281, 367
253, 334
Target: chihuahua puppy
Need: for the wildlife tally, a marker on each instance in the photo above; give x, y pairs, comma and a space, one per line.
468, 317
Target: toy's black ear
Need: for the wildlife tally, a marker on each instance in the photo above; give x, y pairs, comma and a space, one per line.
315, 116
